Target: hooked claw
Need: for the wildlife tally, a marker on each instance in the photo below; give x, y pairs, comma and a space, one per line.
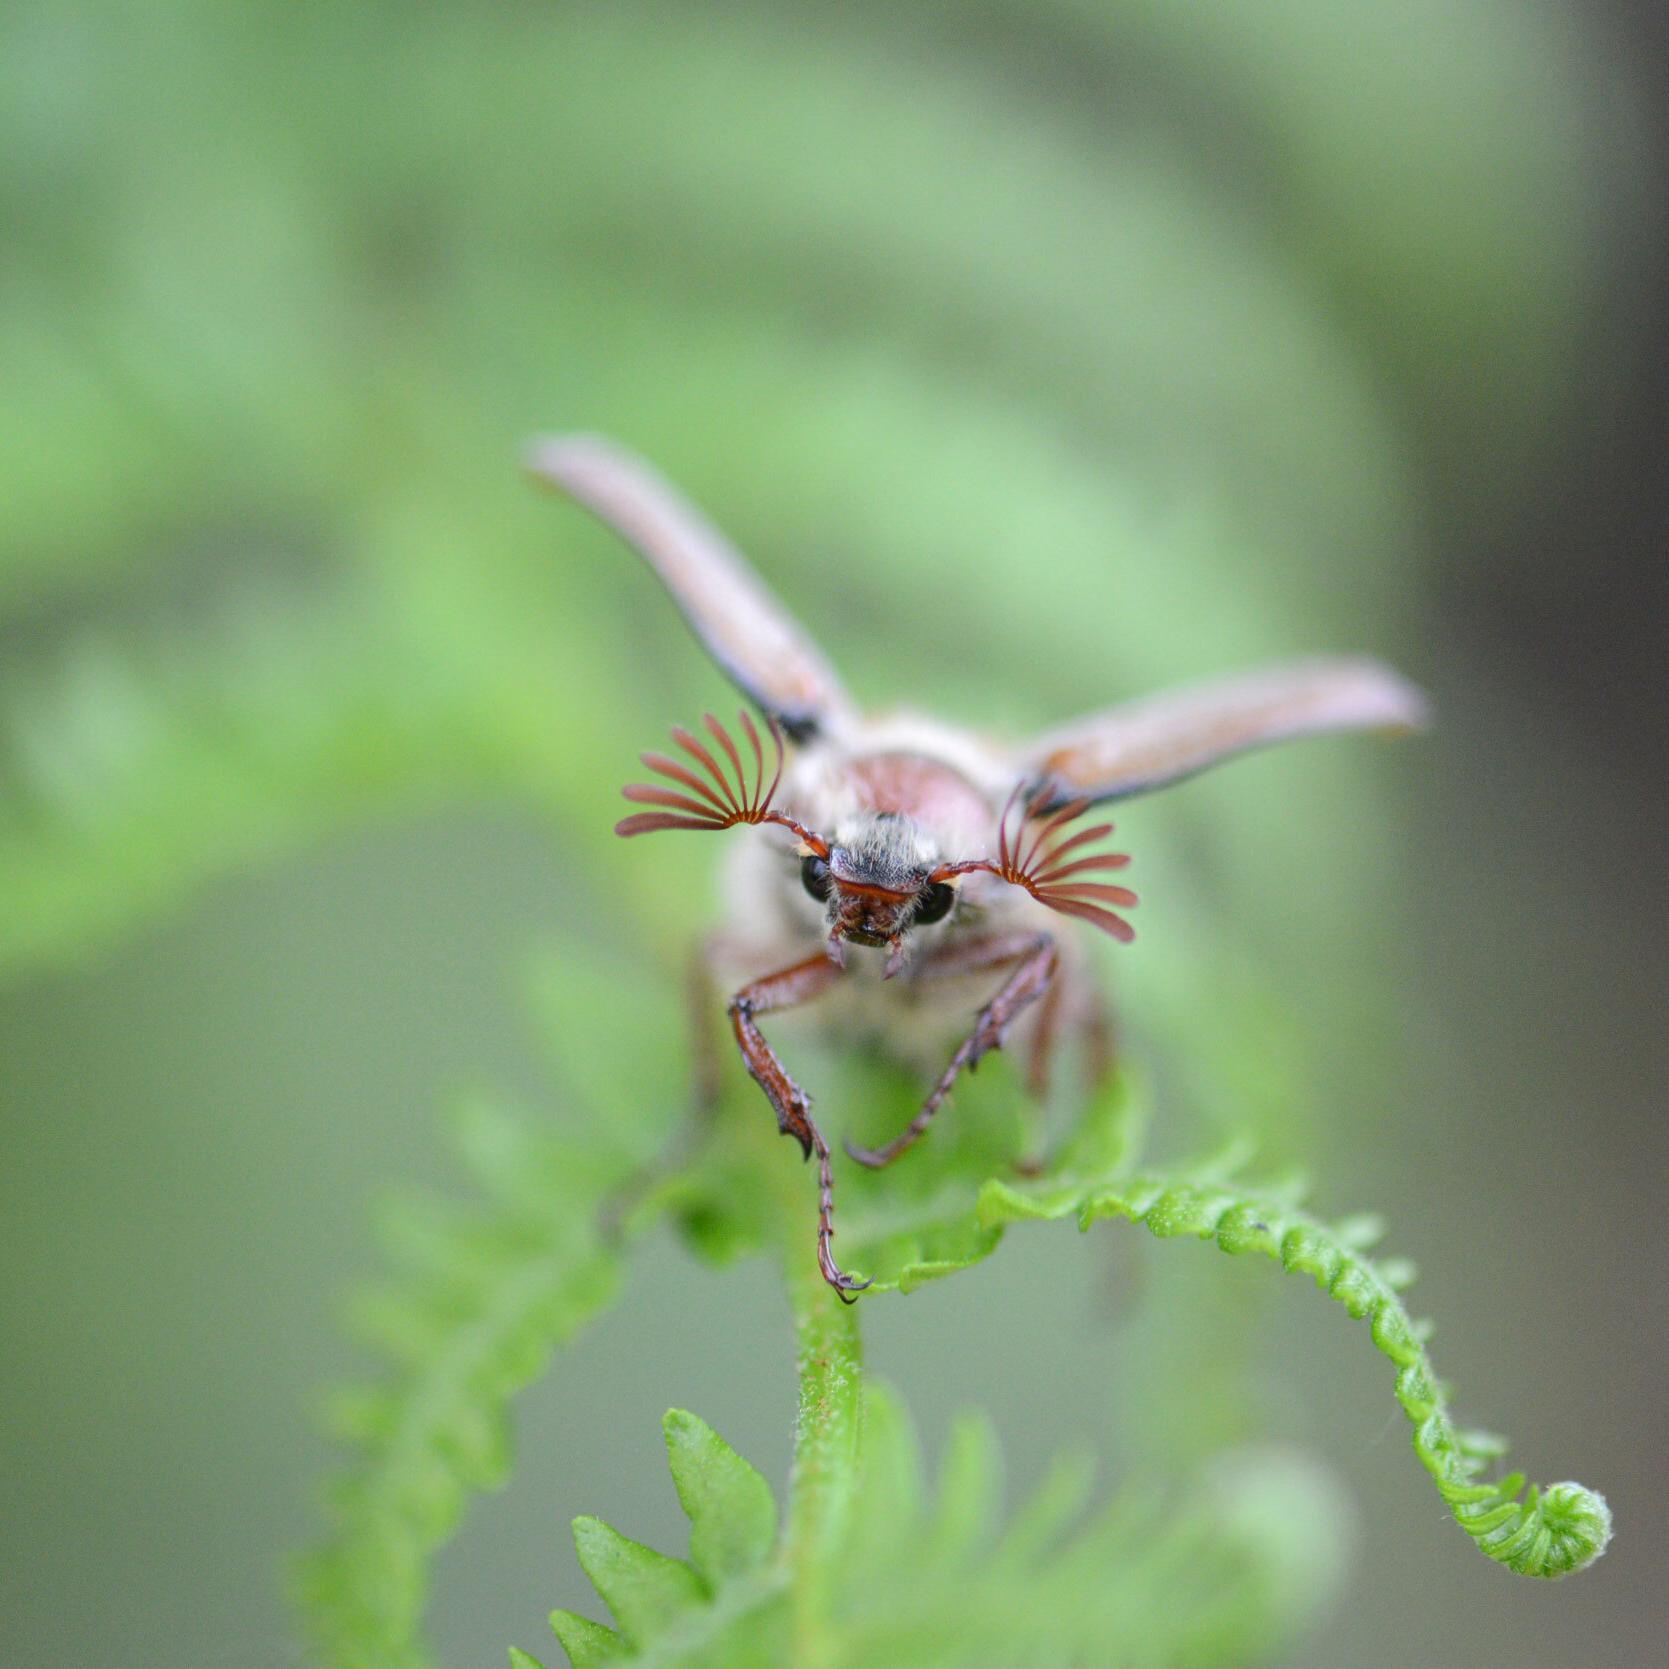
847, 1287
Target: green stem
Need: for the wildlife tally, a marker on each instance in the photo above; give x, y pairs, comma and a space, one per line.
825, 1470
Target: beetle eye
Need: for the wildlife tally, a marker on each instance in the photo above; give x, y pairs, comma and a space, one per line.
933, 904
814, 877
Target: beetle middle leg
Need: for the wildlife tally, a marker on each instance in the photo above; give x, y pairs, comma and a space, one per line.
786, 989
1038, 958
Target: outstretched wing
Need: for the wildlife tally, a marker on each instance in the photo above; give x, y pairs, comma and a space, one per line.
744, 628
1161, 739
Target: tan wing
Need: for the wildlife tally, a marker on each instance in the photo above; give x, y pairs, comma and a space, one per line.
1163, 738
743, 627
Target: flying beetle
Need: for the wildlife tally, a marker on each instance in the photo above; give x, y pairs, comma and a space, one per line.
958, 861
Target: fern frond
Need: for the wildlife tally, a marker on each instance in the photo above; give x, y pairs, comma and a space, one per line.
484, 1298
960, 1220
725, 1605
929, 1577
904, 1231
1550, 1532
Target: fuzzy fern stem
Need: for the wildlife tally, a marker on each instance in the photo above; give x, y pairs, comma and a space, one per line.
826, 1435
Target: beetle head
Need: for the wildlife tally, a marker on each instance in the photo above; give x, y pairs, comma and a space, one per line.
876, 883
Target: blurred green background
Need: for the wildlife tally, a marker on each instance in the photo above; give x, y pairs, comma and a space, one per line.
1040, 353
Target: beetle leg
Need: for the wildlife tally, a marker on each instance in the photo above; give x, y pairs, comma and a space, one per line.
786, 989
1038, 959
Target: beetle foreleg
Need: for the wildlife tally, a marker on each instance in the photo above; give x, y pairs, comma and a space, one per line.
786, 989
1038, 959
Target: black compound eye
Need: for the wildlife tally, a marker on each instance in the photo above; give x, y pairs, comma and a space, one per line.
814, 877
933, 904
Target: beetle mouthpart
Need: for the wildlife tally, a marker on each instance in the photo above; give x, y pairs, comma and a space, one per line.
895, 958
834, 949
864, 936
870, 916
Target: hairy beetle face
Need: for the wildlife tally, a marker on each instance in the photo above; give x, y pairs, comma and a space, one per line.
867, 916
876, 882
